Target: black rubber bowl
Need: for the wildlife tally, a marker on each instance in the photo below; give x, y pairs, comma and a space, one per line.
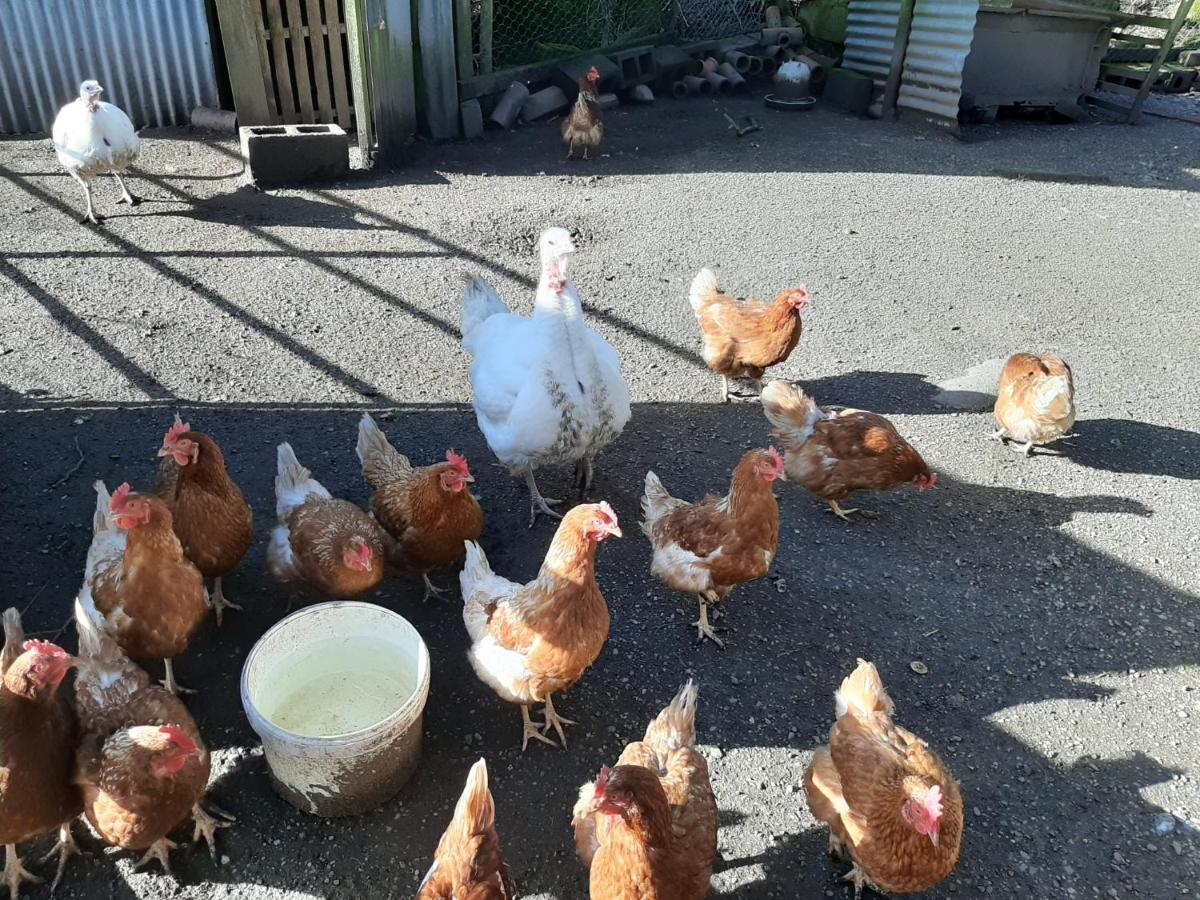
791, 104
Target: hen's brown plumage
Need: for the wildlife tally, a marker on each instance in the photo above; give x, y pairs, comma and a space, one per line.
1035, 403
744, 337
582, 127
428, 511
707, 548
151, 597
468, 864
834, 453
142, 766
648, 829
322, 543
209, 512
863, 782
37, 742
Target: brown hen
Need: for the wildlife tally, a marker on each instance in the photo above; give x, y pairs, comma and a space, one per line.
428, 511
468, 864
534, 640
707, 548
834, 453
744, 337
37, 750
142, 766
582, 127
1036, 400
147, 594
889, 801
208, 510
647, 828
326, 545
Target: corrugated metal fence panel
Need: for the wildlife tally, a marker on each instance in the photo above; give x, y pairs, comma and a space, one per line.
871, 36
938, 45
153, 57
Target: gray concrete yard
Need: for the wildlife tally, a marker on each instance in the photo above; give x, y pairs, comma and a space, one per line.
1054, 600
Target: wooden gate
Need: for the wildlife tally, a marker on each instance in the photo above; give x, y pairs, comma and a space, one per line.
290, 61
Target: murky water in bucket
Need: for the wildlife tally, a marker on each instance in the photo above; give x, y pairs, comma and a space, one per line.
337, 685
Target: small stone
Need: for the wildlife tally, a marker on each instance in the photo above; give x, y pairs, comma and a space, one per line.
1164, 823
919, 667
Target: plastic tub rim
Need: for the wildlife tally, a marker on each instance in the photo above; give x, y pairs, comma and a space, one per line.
412, 707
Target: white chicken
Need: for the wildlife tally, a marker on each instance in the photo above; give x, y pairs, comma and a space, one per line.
91, 138
548, 390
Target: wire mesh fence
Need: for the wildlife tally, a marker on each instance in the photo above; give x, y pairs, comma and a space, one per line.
508, 34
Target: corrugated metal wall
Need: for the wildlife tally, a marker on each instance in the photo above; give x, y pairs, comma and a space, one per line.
938, 45
153, 57
871, 36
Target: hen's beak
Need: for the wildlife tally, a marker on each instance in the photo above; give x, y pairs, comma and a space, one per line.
164, 451
615, 531
933, 836
469, 479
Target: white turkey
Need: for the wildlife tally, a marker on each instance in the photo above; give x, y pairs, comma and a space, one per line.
91, 138
548, 389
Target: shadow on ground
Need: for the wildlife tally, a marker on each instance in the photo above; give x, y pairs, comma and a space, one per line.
980, 581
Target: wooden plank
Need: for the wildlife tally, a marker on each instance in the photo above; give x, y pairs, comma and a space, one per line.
283, 68
463, 43
1176, 23
300, 61
359, 82
486, 24
891, 88
239, 33
337, 61
316, 38
436, 26
389, 45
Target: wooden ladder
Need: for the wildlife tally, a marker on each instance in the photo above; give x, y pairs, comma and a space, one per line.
1143, 78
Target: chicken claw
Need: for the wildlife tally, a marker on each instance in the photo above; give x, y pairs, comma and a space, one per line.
859, 879
837, 510
999, 435
207, 824
553, 719
64, 848
431, 589
171, 684
159, 850
219, 602
724, 388
537, 503
703, 629
532, 730
15, 873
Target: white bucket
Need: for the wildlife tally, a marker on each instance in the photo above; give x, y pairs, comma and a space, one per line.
337, 693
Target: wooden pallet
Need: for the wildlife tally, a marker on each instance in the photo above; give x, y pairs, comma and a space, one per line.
289, 60
1136, 80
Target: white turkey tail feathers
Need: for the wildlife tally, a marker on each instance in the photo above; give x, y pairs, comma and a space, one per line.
703, 284
479, 302
793, 413
103, 500
381, 462
675, 726
293, 483
862, 691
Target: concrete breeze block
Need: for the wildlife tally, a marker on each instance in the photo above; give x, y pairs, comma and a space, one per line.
278, 155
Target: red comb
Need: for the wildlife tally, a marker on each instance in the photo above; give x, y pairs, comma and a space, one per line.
602, 781
175, 432
45, 648
119, 498
593, 74
607, 510
775, 457
178, 738
459, 462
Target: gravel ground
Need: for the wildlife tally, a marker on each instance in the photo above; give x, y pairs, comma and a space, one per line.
1054, 600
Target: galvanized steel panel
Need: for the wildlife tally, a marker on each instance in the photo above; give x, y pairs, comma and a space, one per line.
938, 45
153, 57
871, 36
